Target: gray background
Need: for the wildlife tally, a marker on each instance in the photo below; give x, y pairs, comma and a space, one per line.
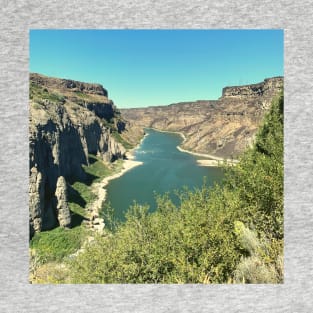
17, 17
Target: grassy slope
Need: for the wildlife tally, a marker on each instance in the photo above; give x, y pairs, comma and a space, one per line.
57, 244
80, 193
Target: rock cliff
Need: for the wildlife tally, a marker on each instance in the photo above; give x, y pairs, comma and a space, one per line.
68, 121
223, 127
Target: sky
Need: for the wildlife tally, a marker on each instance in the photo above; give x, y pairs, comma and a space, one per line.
142, 68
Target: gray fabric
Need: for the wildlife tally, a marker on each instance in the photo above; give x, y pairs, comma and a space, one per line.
295, 295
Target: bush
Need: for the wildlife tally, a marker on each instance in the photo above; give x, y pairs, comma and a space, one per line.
231, 233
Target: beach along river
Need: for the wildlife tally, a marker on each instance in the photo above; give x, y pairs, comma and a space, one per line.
164, 169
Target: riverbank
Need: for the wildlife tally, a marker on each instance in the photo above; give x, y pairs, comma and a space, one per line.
130, 153
100, 192
127, 165
184, 150
216, 163
169, 131
209, 156
214, 160
210, 163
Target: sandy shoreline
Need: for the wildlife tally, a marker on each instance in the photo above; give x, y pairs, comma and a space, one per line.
130, 153
99, 187
215, 163
209, 156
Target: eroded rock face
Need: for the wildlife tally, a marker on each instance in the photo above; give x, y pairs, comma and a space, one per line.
223, 127
36, 197
101, 110
115, 151
68, 121
264, 91
63, 211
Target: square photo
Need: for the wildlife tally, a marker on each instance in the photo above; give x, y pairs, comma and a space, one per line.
156, 156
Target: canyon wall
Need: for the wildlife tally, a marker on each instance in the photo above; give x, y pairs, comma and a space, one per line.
223, 127
68, 121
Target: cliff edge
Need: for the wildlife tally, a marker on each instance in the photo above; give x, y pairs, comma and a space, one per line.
68, 121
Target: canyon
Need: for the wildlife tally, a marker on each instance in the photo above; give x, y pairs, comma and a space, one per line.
69, 121
222, 128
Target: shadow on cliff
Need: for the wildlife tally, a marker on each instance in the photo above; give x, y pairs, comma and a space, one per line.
92, 159
76, 219
87, 178
76, 197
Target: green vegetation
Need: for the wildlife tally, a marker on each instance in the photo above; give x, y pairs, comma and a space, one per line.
56, 244
228, 234
81, 94
78, 196
38, 94
99, 170
80, 193
117, 136
49, 251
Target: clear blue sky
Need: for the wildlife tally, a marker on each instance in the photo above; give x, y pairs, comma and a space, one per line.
158, 67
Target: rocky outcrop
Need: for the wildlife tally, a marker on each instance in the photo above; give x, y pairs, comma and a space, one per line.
36, 200
68, 121
263, 92
63, 211
103, 111
223, 127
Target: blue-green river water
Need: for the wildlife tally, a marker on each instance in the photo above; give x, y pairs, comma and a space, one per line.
164, 169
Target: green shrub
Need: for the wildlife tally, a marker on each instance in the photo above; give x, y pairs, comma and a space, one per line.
170, 245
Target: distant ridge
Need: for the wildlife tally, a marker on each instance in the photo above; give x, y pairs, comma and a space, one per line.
223, 127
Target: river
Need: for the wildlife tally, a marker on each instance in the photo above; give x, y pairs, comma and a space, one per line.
164, 169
